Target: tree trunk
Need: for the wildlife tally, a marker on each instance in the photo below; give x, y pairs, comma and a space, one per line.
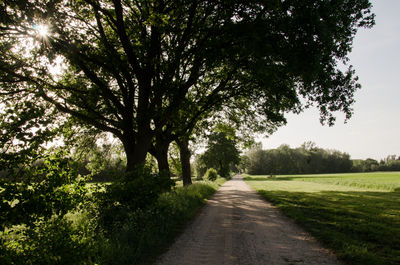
160, 152
136, 152
185, 161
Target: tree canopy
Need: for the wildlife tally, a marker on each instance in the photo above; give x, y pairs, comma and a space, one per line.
222, 153
306, 159
145, 69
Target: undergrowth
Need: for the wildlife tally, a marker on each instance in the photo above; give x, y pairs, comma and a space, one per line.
129, 221
145, 234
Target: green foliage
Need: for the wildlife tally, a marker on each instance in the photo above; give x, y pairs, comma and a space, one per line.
25, 127
200, 167
145, 69
54, 241
35, 201
146, 233
132, 222
174, 159
98, 153
390, 163
211, 174
306, 159
356, 215
310, 159
221, 153
31, 193
365, 165
131, 192
105, 161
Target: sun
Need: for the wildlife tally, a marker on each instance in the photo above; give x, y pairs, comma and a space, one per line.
42, 30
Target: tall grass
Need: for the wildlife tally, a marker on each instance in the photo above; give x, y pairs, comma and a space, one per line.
356, 215
145, 234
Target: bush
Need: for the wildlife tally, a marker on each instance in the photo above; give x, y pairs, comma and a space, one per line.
211, 174
53, 187
133, 191
55, 241
34, 225
145, 233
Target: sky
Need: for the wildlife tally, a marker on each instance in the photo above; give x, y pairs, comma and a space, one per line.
374, 129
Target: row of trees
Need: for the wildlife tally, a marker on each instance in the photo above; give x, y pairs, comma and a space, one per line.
390, 163
307, 158
155, 72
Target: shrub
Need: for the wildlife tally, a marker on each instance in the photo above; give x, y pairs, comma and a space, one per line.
55, 241
34, 226
211, 174
145, 233
53, 187
131, 192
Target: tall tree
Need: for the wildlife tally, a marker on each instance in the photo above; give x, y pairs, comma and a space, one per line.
222, 152
185, 154
134, 68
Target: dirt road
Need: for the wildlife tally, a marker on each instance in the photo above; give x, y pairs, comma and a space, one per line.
238, 227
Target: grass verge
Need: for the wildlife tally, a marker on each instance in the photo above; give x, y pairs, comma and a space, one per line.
147, 234
355, 215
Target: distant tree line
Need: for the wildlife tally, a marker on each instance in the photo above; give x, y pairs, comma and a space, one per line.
306, 159
309, 159
390, 163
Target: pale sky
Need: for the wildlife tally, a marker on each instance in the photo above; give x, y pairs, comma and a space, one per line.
374, 129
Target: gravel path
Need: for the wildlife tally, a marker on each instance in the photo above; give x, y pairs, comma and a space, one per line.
238, 227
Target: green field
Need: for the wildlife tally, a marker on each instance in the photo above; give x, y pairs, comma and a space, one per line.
356, 215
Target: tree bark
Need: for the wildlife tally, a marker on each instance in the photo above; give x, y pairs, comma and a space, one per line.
160, 152
136, 152
185, 160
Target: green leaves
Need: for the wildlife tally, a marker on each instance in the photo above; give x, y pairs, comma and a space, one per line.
25, 127
39, 191
211, 174
305, 159
222, 153
150, 67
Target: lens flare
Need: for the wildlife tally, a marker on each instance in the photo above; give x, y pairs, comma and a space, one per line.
41, 29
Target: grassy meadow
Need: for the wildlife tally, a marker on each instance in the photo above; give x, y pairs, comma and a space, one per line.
356, 215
